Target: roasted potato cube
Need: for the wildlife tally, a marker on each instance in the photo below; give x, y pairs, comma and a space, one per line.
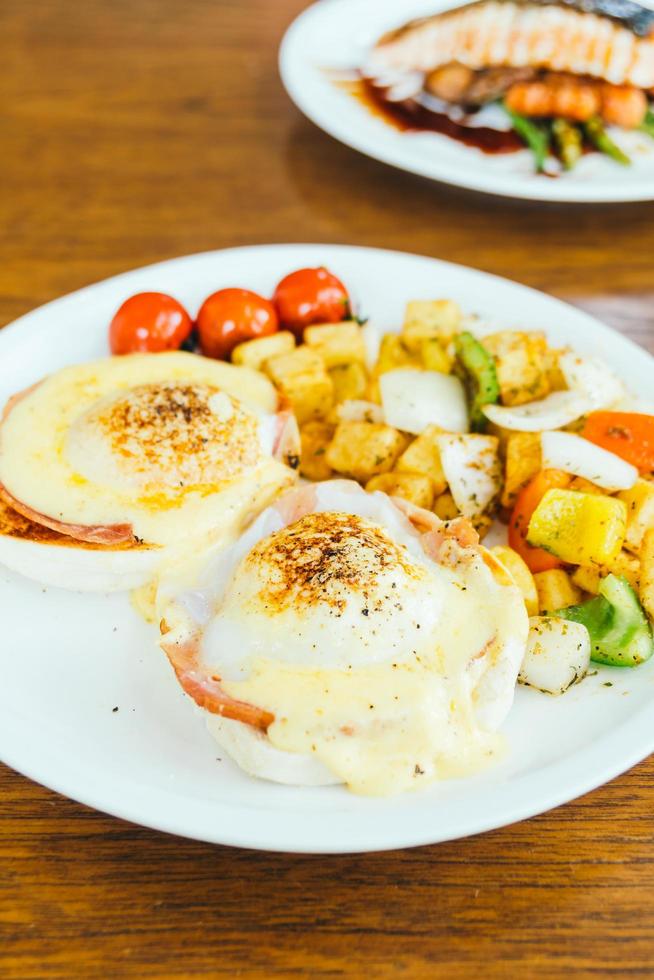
254, 353
423, 456
364, 449
350, 382
302, 378
522, 461
482, 524
434, 357
415, 487
425, 319
337, 343
646, 586
640, 513
521, 575
393, 354
556, 590
315, 438
587, 578
628, 566
519, 360
373, 391
445, 508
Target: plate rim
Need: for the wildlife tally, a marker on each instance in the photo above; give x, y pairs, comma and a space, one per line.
638, 726
552, 192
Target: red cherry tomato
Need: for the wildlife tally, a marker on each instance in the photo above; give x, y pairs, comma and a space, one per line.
149, 322
232, 316
311, 296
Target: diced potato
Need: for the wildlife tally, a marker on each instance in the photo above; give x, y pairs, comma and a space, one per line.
315, 438
640, 513
373, 391
588, 578
646, 588
393, 354
519, 359
585, 486
557, 655
522, 461
423, 456
423, 319
434, 357
301, 377
300, 361
580, 528
415, 487
445, 508
254, 353
628, 566
350, 382
364, 449
556, 590
337, 343
521, 575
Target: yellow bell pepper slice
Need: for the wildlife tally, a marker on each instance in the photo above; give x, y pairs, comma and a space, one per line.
579, 528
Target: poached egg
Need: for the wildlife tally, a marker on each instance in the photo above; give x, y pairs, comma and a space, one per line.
139, 453
347, 637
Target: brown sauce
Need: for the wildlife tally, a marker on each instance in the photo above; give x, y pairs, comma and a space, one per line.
410, 116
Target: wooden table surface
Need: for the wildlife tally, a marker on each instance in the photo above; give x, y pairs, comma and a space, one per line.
137, 130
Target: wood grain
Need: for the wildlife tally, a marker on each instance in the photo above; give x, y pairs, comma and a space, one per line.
136, 130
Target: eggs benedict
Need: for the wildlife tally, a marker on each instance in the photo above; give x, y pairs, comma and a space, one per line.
138, 454
349, 637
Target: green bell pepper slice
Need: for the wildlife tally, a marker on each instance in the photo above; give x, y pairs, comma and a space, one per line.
479, 375
620, 634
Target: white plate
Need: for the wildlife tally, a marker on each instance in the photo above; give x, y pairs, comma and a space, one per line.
336, 34
68, 659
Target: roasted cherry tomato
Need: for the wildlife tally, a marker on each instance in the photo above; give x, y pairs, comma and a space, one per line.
149, 322
232, 316
311, 296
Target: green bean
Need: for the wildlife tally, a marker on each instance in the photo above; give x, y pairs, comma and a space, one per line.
536, 137
602, 141
568, 140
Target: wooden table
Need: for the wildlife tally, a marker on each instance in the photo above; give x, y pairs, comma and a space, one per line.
136, 130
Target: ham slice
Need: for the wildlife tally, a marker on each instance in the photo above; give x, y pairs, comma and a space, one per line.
93, 533
205, 688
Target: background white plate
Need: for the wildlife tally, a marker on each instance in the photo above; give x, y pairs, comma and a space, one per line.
68, 660
336, 34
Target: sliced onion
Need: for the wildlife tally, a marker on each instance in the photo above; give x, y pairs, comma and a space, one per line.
557, 655
413, 399
556, 410
357, 410
472, 469
573, 454
592, 379
372, 342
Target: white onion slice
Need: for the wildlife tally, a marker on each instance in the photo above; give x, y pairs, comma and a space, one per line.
558, 409
413, 399
557, 655
372, 338
472, 469
591, 378
573, 454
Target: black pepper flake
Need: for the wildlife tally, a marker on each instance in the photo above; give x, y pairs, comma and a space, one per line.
114, 710
418, 771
